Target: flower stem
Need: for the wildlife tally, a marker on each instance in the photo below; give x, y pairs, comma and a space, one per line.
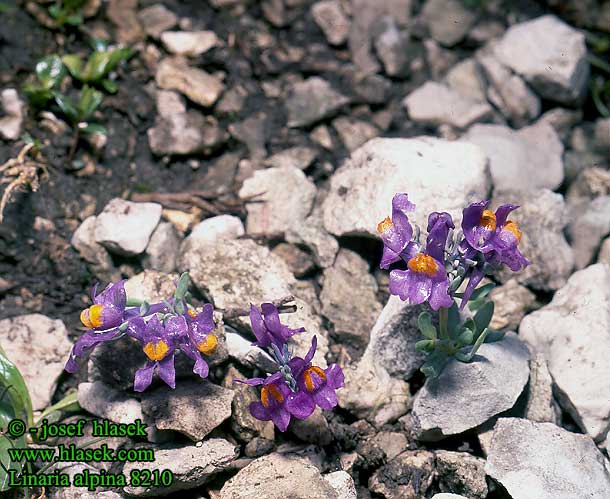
443, 315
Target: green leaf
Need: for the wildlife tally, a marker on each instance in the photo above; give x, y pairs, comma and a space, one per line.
67, 107
109, 86
181, 287
90, 100
74, 64
37, 95
6, 463
50, 71
98, 45
69, 404
92, 128
434, 364
453, 320
96, 67
75, 19
466, 337
493, 336
484, 315
13, 385
482, 292
424, 322
425, 345
480, 340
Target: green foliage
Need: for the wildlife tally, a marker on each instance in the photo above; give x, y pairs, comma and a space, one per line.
455, 337
49, 73
95, 70
15, 402
79, 113
67, 12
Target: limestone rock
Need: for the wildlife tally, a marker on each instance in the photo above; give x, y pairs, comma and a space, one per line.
331, 19
447, 20
202, 88
105, 401
189, 43
312, 100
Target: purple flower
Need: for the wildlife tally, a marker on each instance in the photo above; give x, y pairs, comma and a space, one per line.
316, 386
267, 327
199, 338
493, 234
439, 225
274, 395
87, 342
396, 233
425, 280
108, 307
159, 347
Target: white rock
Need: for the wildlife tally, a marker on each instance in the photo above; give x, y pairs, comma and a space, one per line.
446, 495
437, 174
331, 19
544, 461
151, 285
14, 109
550, 55
372, 394
212, 231
343, 484
587, 231
245, 353
239, 272
465, 396
392, 46
286, 199
278, 476
192, 466
436, 104
467, 79
125, 227
313, 235
512, 302
174, 73
524, 159
39, 347
106, 402
189, 43
602, 135
83, 240
364, 16
507, 90
300, 156
312, 100
162, 249
447, 20
541, 405
577, 362
157, 19
354, 133
604, 252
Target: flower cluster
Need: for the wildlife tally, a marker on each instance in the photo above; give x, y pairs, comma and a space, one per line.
297, 387
161, 328
435, 271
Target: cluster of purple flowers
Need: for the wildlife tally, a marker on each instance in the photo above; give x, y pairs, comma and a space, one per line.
170, 326
433, 274
298, 386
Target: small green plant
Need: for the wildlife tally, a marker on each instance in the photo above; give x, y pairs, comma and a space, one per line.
95, 70
67, 12
49, 73
16, 403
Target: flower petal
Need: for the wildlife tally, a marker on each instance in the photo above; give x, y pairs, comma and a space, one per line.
502, 213
439, 295
325, 398
175, 328
281, 418
312, 350
334, 376
263, 338
439, 225
259, 411
300, 405
166, 371
143, 377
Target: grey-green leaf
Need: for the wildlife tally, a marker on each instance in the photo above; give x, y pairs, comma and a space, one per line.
424, 322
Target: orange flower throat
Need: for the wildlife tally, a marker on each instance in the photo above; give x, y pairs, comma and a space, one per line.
309, 384
208, 345
514, 229
271, 390
488, 220
423, 264
156, 351
384, 225
92, 316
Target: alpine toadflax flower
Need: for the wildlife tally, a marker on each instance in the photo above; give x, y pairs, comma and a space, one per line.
108, 308
493, 234
267, 326
396, 233
297, 386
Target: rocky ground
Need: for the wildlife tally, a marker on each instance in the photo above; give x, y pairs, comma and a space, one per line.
257, 145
